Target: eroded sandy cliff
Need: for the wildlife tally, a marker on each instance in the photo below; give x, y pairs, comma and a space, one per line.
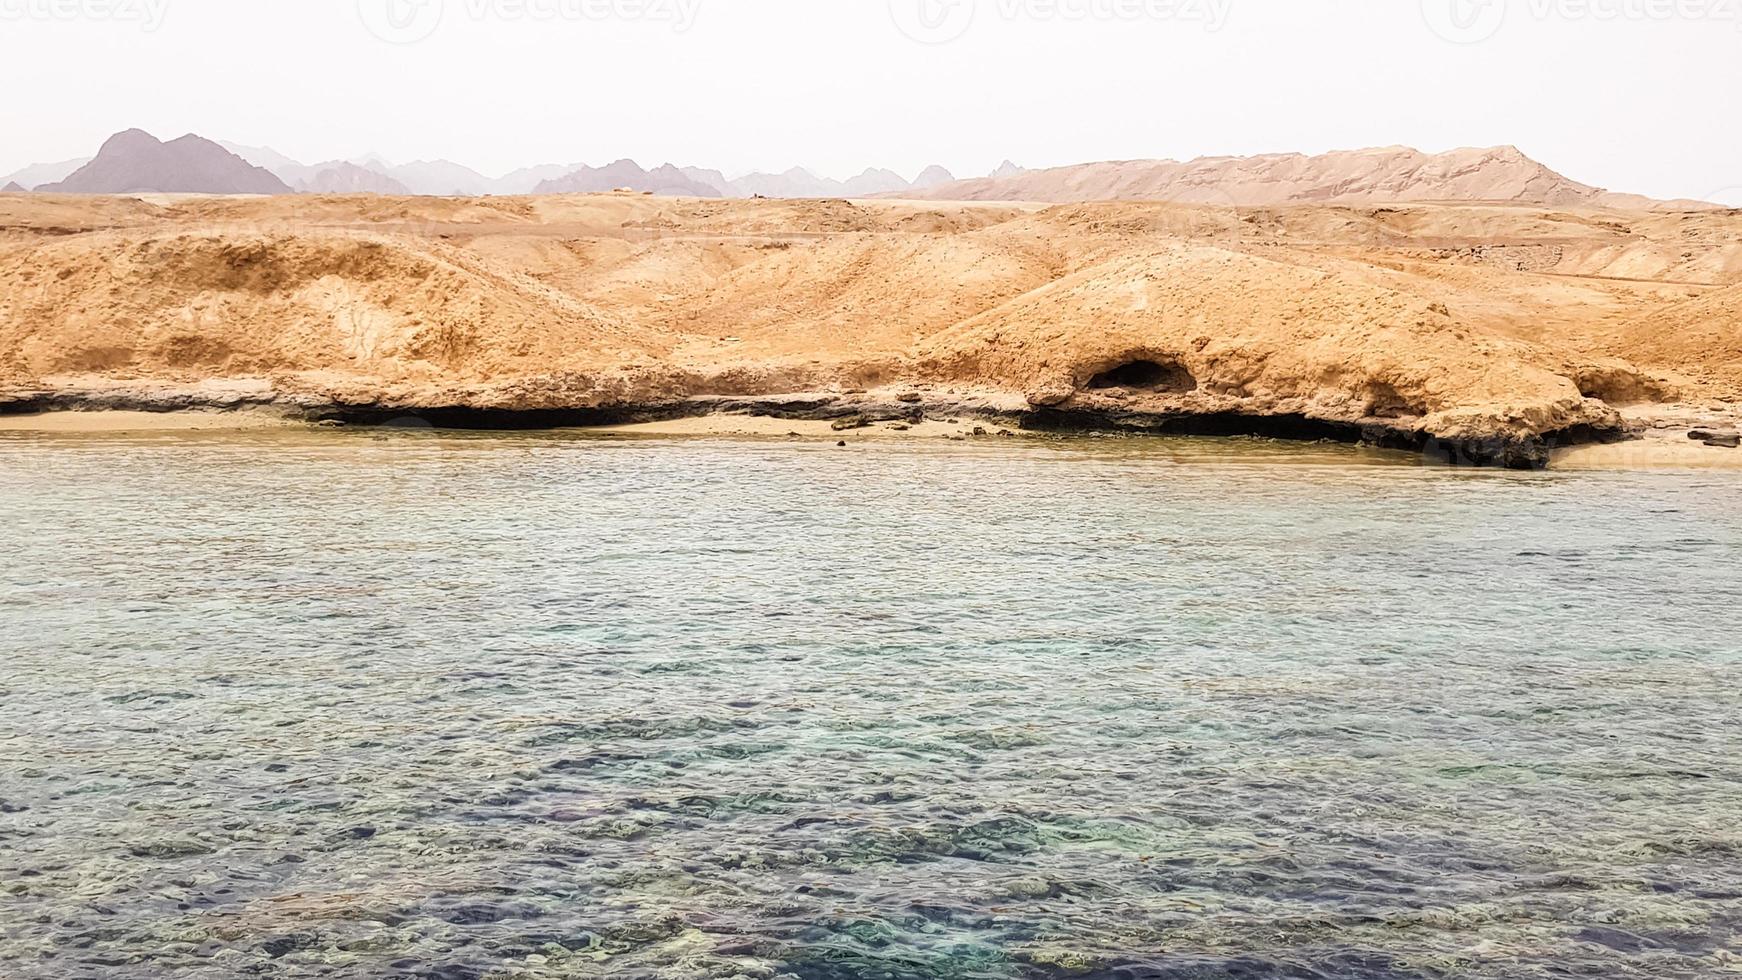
1491, 331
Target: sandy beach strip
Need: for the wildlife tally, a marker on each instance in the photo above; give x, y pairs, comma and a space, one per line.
118, 421
125, 421
764, 426
1648, 454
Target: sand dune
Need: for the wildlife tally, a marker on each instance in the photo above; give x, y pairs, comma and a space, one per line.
1494, 329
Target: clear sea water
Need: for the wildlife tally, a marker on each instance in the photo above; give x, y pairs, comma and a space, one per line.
428, 705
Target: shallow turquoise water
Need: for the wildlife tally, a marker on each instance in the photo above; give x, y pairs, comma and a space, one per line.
420, 705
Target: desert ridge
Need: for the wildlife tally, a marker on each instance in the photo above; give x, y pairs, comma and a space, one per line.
1396, 174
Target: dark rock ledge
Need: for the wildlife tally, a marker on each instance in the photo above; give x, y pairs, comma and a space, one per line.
1509, 451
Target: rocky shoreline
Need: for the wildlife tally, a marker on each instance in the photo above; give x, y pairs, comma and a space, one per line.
848, 411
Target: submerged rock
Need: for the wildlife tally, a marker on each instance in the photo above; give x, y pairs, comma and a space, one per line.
170, 849
286, 945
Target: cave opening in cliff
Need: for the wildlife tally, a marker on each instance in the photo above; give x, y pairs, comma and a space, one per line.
1146, 376
1384, 401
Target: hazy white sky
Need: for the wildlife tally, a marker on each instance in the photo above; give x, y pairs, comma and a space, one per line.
1635, 95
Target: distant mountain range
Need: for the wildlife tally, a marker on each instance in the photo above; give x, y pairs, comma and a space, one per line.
136, 162
667, 180
38, 174
344, 177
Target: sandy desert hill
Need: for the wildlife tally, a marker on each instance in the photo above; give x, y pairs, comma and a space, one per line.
1491, 328
1394, 174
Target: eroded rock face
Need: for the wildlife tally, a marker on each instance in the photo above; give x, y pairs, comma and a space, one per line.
1139, 316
